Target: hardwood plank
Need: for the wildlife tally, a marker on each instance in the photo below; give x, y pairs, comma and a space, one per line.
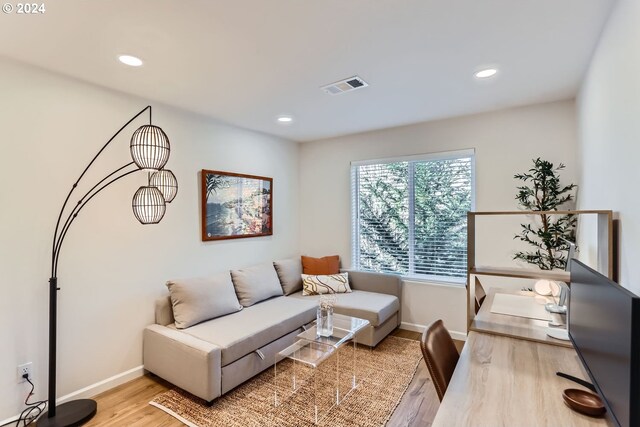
419, 404
128, 404
412, 335
404, 333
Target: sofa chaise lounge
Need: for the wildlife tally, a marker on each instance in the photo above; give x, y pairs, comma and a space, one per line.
213, 356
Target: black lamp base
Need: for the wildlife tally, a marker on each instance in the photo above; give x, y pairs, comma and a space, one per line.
70, 414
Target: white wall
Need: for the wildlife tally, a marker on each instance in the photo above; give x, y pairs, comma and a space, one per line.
609, 121
505, 142
111, 268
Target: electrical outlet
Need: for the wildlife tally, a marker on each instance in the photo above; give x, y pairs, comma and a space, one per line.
25, 368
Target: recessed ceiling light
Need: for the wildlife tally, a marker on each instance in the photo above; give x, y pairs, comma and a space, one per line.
486, 73
285, 120
130, 60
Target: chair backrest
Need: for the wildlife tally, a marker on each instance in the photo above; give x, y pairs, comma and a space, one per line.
440, 354
480, 295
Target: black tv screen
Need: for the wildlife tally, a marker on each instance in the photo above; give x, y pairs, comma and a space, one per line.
604, 329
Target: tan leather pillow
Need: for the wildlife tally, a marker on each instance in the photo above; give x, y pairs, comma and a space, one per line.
321, 266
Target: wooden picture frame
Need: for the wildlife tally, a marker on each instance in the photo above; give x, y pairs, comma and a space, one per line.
235, 206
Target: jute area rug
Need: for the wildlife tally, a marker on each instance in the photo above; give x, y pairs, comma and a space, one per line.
383, 373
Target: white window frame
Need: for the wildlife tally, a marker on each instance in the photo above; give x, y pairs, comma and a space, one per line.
355, 218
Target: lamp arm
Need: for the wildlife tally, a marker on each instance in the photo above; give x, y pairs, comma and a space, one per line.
74, 215
66, 200
70, 216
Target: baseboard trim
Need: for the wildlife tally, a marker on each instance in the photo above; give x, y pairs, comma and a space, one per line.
456, 335
94, 389
104, 385
9, 420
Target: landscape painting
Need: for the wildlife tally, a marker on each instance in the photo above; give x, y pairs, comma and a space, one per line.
236, 205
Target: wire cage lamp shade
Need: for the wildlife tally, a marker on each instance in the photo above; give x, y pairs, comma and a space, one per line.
148, 205
150, 147
165, 181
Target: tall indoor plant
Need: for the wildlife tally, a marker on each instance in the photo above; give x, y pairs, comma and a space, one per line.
542, 191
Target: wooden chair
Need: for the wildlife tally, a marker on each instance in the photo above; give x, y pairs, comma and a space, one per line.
480, 295
440, 354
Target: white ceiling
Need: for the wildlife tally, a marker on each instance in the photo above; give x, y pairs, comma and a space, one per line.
247, 61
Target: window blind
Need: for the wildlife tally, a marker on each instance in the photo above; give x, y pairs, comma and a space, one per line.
409, 216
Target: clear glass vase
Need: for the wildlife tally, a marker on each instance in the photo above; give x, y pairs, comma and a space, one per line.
324, 321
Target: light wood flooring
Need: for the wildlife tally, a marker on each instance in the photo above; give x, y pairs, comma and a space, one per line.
128, 404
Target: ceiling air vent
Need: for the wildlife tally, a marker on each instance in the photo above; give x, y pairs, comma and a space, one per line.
346, 85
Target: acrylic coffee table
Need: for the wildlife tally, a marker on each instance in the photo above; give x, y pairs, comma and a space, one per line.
311, 351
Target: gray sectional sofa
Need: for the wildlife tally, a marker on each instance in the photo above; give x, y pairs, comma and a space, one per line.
210, 357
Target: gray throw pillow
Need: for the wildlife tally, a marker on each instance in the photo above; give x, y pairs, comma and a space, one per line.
199, 299
290, 274
255, 284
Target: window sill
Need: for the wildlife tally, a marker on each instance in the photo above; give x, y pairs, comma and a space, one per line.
458, 283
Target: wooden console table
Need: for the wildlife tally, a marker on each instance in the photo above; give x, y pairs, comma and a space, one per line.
513, 326
605, 254
501, 381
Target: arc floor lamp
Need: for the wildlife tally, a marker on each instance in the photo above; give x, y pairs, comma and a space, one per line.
150, 151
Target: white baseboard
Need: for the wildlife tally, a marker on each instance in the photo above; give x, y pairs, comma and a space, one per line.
95, 389
104, 385
9, 420
412, 327
456, 335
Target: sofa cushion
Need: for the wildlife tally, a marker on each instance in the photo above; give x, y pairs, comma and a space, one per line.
324, 265
241, 333
199, 299
325, 284
374, 307
255, 284
164, 311
290, 274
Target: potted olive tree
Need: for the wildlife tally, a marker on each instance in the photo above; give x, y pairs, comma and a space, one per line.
541, 190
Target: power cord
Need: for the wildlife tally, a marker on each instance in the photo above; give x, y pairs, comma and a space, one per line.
32, 411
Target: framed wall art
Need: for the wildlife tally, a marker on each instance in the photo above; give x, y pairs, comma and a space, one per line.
236, 205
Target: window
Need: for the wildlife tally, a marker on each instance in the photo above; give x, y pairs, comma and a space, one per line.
409, 215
